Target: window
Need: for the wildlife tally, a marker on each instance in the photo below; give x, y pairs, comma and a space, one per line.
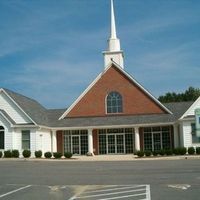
26, 139
156, 138
114, 102
195, 139
1, 137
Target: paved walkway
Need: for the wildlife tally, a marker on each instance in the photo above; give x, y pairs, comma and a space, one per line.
127, 157
131, 157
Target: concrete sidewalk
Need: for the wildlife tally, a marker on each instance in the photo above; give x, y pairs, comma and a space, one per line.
127, 157
131, 157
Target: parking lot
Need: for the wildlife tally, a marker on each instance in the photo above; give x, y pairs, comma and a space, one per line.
22, 180
89, 192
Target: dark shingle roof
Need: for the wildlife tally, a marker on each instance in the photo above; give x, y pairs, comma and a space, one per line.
43, 116
31, 107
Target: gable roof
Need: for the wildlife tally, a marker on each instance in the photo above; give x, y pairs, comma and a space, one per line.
112, 63
32, 109
190, 110
7, 117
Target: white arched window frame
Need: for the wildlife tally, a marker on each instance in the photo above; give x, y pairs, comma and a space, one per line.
114, 102
2, 137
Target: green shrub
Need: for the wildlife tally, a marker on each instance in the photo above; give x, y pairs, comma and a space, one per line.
155, 153
68, 154
26, 153
1, 154
147, 153
57, 155
182, 150
161, 152
198, 150
168, 152
7, 154
15, 153
176, 151
48, 154
140, 153
191, 150
38, 154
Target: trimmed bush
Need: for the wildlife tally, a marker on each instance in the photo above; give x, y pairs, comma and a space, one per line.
198, 150
68, 154
155, 153
38, 154
140, 153
161, 152
1, 154
57, 155
176, 151
15, 153
48, 154
168, 152
26, 153
147, 153
180, 151
191, 150
183, 150
8, 154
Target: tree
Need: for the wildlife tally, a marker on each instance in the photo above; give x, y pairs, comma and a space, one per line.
191, 94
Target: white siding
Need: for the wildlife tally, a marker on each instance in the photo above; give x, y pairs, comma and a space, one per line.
187, 133
43, 140
12, 110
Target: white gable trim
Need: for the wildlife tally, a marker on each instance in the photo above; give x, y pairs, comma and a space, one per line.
2, 90
6, 118
190, 108
99, 76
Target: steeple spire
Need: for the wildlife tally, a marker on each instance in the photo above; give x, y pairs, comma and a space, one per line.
113, 26
114, 52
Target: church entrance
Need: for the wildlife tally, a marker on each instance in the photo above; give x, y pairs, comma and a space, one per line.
116, 141
76, 142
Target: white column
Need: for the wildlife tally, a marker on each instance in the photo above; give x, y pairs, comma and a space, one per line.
54, 141
137, 139
90, 142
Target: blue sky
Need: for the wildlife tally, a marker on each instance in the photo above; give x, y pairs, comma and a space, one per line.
51, 50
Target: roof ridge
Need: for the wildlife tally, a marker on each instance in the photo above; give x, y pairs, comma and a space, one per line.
16, 93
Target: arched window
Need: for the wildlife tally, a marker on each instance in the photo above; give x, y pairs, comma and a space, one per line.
114, 103
1, 137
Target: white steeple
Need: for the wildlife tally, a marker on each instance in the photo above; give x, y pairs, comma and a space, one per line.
114, 52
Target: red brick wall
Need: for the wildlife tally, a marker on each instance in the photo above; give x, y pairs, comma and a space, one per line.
95, 142
59, 135
135, 101
141, 132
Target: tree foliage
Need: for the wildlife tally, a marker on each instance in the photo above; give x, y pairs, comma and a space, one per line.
191, 94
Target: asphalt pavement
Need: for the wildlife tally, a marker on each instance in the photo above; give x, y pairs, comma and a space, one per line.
141, 179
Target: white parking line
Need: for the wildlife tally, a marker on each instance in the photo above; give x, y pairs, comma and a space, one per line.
13, 191
112, 189
141, 192
112, 193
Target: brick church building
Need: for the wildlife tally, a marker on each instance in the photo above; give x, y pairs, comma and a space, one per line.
114, 115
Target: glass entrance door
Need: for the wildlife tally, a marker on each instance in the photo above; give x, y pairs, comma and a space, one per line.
120, 143
116, 143
76, 144
156, 141
111, 144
